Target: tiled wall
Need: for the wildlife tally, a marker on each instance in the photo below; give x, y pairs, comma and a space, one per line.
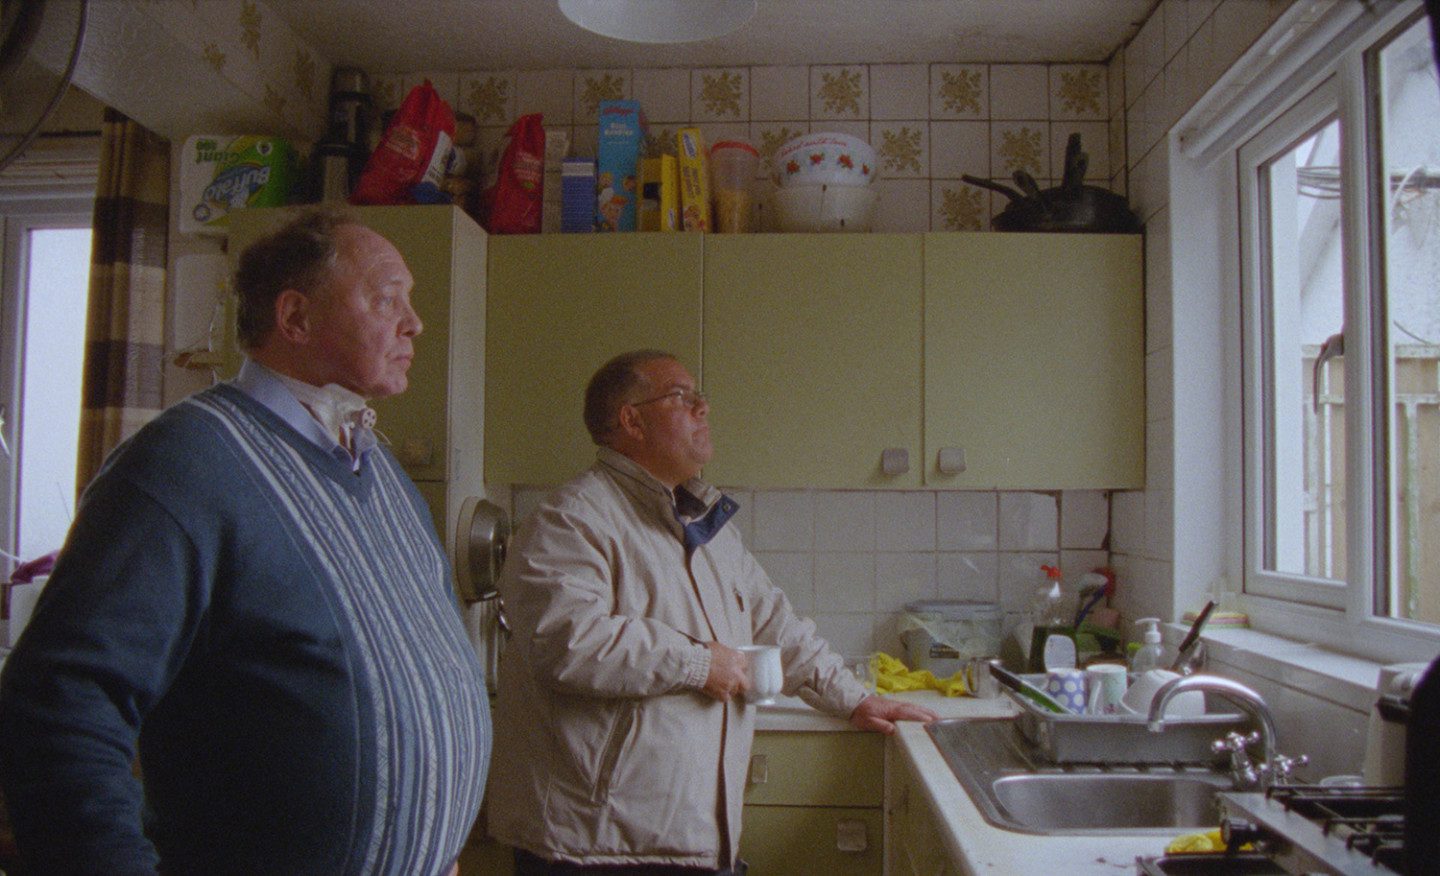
930, 123
852, 559
1178, 54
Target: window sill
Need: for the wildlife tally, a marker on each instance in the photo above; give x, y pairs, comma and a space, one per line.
1340, 678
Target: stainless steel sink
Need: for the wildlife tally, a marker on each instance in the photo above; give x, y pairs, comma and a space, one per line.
1015, 790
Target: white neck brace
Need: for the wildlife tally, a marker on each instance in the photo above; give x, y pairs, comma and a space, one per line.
332, 404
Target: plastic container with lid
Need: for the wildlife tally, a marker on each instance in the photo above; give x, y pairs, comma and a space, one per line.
942, 634
733, 167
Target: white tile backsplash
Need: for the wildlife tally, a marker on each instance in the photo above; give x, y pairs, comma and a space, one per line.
970, 577
794, 573
778, 93
1028, 522
844, 521
899, 91
784, 521
1084, 519
905, 521
1019, 91
845, 582
967, 521
902, 578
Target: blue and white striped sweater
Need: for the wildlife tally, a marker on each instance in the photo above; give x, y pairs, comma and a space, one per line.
317, 670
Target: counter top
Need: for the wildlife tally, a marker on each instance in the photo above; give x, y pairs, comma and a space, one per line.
976, 845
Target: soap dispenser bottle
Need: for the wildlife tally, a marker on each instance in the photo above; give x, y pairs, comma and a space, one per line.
1147, 657
1046, 617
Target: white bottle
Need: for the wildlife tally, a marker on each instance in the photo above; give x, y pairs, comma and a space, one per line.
1149, 654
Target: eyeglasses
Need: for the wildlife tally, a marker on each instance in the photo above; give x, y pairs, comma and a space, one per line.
690, 398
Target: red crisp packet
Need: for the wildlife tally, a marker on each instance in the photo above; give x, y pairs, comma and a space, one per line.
409, 164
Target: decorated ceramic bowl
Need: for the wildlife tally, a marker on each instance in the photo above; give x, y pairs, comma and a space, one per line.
825, 158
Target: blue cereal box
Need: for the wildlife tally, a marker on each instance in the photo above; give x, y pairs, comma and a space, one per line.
621, 137
577, 195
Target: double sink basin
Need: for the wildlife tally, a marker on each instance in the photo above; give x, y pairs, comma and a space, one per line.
1016, 790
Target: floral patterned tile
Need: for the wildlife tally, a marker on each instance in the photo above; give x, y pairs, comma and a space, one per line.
839, 92
387, 90
660, 138
715, 132
664, 93
958, 148
779, 93
1020, 146
957, 206
548, 92
1079, 91
959, 91
768, 137
902, 149
446, 84
593, 86
720, 95
488, 96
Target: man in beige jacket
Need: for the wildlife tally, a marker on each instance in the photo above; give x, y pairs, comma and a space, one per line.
621, 731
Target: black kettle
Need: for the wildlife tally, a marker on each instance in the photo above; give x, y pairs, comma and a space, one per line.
1071, 206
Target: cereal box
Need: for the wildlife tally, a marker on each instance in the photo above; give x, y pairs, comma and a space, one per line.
219, 174
617, 171
659, 194
694, 180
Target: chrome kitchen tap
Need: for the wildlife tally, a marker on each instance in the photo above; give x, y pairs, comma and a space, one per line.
1274, 768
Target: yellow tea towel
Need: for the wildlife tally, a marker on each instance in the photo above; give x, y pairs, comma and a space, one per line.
891, 676
1209, 841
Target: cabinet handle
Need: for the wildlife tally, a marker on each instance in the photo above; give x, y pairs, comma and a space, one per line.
759, 769
894, 461
951, 460
851, 836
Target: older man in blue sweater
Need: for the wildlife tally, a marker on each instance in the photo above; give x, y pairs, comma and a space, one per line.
254, 597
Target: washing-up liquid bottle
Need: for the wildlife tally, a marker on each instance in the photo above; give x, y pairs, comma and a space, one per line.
1046, 617
1147, 657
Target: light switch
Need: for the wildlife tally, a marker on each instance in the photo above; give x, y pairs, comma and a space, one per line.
951, 460
894, 461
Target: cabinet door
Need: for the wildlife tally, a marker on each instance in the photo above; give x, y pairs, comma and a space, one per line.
559, 306
790, 840
817, 768
1034, 360
812, 351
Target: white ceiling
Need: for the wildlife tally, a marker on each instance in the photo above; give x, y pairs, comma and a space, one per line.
403, 36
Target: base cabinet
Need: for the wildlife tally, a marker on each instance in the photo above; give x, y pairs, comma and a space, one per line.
814, 804
912, 832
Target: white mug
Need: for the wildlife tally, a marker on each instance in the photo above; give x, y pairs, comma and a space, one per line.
1105, 688
766, 676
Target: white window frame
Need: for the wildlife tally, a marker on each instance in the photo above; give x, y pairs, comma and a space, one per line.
1343, 617
27, 203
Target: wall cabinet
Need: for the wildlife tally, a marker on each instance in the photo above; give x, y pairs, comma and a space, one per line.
814, 804
1035, 360
812, 354
559, 307
1019, 356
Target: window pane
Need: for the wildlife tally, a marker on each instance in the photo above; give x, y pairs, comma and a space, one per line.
57, 285
1305, 398
1409, 104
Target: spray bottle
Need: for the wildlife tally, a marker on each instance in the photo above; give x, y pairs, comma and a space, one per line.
1148, 655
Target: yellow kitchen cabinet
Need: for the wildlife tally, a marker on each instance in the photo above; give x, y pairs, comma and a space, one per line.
1034, 361
431, 426
559, 307
814, 804
912, 833
812, 356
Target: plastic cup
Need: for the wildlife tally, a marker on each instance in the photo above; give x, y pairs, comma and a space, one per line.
733, 165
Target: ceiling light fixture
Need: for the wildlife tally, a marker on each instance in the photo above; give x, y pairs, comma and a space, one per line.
659, 21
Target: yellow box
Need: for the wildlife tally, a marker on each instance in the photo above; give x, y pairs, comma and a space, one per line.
694, 180
659, 194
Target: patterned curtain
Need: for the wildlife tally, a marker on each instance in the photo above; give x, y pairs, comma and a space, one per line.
124, 326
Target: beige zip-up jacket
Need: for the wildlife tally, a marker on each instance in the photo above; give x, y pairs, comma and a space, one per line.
606, 751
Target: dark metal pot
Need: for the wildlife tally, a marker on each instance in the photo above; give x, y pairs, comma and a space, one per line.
1071, 206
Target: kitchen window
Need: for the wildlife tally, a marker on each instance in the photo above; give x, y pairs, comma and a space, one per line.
1340, 251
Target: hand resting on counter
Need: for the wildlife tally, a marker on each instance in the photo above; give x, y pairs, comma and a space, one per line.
880, 714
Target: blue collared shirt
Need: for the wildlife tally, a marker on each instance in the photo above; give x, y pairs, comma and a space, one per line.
261, 384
